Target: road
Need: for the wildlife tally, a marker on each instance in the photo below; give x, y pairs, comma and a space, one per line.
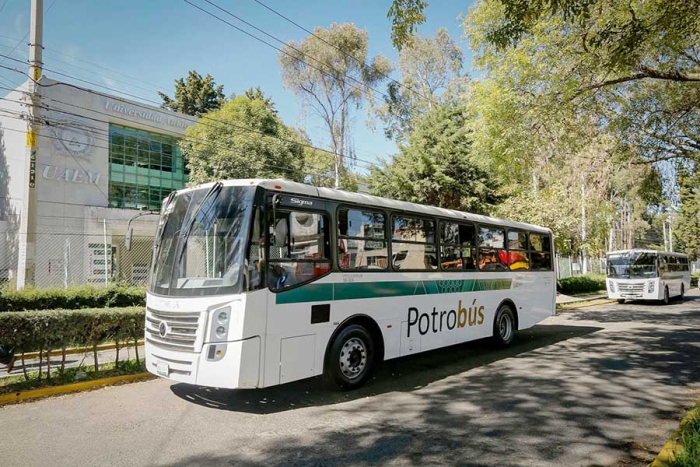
602, 386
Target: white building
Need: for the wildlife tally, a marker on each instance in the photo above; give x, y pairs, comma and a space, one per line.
99, 160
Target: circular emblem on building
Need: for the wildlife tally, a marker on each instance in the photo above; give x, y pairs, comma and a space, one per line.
72, 138
162, 329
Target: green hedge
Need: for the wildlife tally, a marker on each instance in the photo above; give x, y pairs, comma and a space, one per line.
71, 298
31, 331
49, 330
694, 279
581, 284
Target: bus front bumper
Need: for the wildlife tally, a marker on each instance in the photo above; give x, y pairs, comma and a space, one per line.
230, 365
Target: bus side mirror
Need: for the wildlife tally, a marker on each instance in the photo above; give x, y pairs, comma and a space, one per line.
127, 238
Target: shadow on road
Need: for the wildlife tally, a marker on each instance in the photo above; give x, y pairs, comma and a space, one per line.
403, 374
600, 399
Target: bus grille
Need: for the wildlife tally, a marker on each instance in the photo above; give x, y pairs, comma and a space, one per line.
625, 287
180, 329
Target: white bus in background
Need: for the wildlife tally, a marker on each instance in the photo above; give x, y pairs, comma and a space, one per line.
261, 282
647, 275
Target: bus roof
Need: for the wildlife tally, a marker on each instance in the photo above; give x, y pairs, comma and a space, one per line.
370, 201
641, 250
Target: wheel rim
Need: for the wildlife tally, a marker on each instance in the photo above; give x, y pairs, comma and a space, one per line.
505, 326
353, 358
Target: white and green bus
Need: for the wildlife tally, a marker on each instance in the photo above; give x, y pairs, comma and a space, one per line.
256, 283
647, 275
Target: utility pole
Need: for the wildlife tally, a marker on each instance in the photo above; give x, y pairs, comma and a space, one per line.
670, 234
584, 266
27, 227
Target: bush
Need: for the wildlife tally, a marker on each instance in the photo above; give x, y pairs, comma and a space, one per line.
30, 331
72, 298
45, 331
694, 279
581, 284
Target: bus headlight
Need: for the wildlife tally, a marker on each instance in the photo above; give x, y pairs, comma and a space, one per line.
611, 286
650, 286
218, 329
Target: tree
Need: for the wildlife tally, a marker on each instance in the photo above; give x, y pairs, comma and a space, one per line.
330, 71
406, 16
686, 229
195, 95
430, 72
244, 139
437, 166
638, 62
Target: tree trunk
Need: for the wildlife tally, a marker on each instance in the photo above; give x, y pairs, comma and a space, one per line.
94, 354
48, 365
63, 359
41, 361
24, 368
116, 358
136, 347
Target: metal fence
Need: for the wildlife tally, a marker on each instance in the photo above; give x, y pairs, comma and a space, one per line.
568, 266
86, 251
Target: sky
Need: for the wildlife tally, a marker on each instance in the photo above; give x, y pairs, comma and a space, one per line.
156, 41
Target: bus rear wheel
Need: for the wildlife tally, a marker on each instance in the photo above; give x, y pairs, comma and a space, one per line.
504, 326
667, 298
351, 357
682, 291
620, 301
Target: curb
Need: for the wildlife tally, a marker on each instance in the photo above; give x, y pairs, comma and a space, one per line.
666, 454
68, 388
584, 304
75, 350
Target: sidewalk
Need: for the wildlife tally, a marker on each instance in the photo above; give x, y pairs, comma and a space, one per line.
72, 361
561, 298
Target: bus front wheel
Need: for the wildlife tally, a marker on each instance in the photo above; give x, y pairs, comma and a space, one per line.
504, 325
667, 298
682, 291
620, 301
351, 357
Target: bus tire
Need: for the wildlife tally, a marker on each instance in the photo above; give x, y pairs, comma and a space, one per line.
667, 298
682, 291
351, 358
620, 301
504, 325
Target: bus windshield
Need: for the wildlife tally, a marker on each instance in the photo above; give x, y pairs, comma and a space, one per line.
200, 243
632, 265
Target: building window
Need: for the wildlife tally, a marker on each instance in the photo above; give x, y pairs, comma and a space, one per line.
144, 167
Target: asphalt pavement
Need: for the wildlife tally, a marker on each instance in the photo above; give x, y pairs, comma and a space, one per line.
600, 386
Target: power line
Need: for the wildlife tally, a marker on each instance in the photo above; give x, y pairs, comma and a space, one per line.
187, 117
183, 137
285, 52
360, 62
51, 51
49, 123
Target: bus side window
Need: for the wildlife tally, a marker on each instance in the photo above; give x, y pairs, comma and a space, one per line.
540, 256
299, 248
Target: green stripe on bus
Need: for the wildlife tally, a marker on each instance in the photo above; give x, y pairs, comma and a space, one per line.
358, 290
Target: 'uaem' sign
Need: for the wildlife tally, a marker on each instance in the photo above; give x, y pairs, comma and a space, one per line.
52, 172
144, 113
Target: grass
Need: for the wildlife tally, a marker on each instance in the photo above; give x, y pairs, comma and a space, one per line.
584, 294
687, 452
19, 384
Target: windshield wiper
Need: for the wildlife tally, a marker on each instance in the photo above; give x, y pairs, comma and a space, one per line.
211, 195
164, 221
